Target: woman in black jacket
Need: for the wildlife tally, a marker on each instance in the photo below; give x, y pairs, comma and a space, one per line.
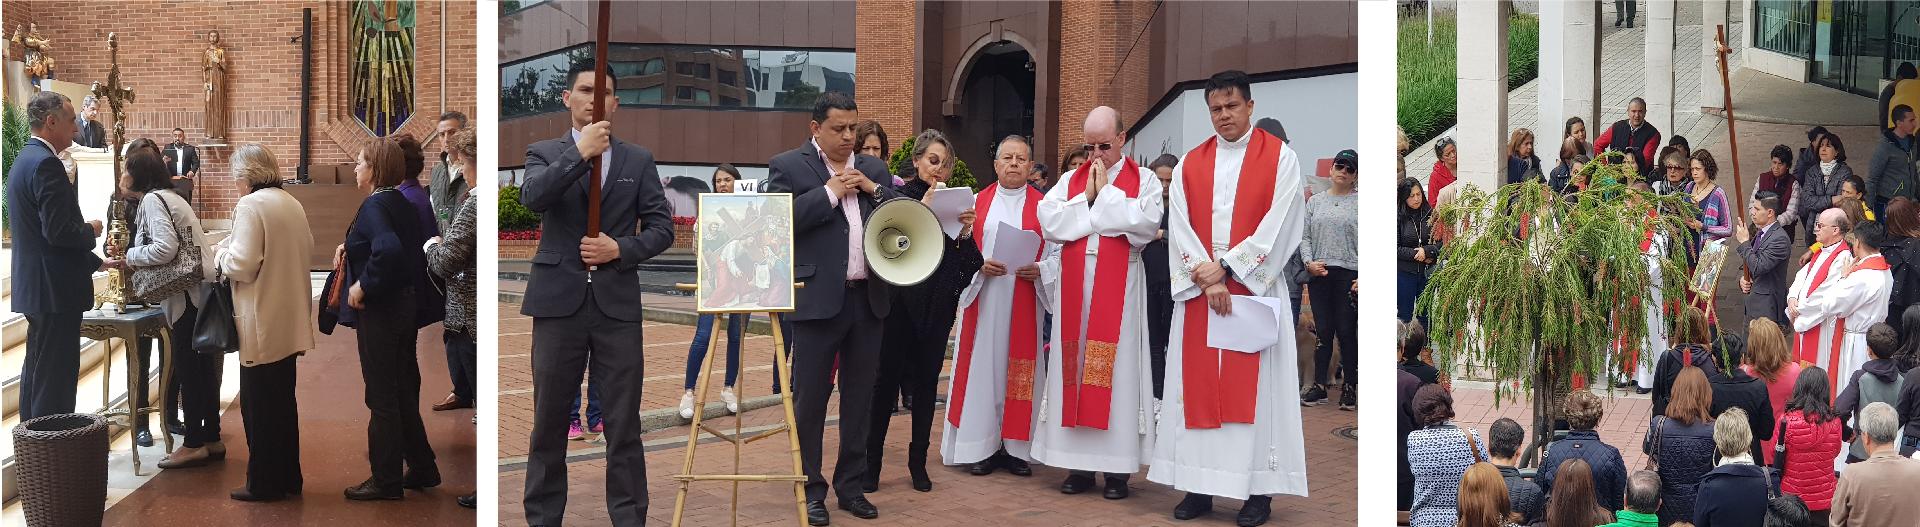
922, 318
1417, 248
1821, 179
384, 264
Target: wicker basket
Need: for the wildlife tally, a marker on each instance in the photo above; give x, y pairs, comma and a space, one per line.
61, 463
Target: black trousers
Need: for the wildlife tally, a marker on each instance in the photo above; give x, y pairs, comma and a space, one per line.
1624, 8
389, 364
461, 359
910, 365
271, 415
199, 377
563, 347
1159, 329
1334, 319
50, 375
853, 337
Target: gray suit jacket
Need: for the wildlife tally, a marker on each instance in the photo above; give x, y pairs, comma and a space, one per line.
820, 230
1766, 259
633, 210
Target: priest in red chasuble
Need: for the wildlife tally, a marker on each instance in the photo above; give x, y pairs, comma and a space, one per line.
1230, 424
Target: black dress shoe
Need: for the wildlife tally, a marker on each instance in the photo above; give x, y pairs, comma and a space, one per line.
860, 507
368, 490
921, 483
422, 479
242, 494
817, 513
1255, 512
1116, 489
469, 501
981, 468
1018, 467
1076, 483
176, 428
1194, 506
143, 438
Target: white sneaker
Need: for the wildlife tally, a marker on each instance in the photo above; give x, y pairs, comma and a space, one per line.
686, 405
733, 401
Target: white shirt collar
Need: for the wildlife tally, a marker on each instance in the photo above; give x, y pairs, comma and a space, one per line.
1245, 139
45, 142
1010, 192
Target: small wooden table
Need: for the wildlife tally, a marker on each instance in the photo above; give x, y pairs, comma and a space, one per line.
128, 327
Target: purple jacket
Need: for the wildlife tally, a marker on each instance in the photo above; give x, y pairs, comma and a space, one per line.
422, 202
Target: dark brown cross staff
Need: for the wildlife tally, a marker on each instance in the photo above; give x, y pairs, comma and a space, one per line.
1733, 144
599, 114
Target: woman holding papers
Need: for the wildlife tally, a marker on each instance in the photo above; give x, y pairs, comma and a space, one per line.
916, 331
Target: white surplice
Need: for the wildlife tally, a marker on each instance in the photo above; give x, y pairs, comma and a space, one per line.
1798, 292
1656, 340
1236, 460
1860, 297
1122, 447
979, 435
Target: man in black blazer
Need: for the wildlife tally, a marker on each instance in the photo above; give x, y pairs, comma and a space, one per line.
89, 134
1766, 262
838, 313
53, 260
584, 297
184, 160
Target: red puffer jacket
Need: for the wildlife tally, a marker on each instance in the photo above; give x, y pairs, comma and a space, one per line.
1811, 449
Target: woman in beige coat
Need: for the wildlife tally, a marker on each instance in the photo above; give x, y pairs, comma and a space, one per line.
266, 257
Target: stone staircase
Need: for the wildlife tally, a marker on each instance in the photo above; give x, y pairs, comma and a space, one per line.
93, 357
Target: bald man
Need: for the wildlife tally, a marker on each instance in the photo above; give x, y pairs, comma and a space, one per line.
1818, 339
1097, 410
1833, 315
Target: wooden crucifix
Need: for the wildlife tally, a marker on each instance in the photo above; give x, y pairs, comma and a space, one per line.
1733, 142
600, 90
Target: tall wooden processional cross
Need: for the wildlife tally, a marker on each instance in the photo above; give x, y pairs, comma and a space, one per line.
117, 95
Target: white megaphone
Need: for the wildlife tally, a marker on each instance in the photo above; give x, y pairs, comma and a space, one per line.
904, 242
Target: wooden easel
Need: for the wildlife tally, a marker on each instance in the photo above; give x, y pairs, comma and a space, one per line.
783, 374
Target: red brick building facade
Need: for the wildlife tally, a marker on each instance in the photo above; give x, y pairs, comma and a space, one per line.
160, 45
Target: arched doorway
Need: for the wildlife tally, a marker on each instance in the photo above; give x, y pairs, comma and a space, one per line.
996, 100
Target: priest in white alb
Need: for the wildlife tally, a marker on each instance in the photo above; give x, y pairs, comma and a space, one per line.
1230, 420
1834, 318
1821, 328
1096, 413
990, 409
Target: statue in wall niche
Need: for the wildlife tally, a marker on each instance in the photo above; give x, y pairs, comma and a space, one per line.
215, 64
39, 62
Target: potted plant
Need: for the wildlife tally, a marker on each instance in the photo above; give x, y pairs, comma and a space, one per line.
1538, 287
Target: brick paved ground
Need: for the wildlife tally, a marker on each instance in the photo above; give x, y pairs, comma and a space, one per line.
958, 498
1623, 426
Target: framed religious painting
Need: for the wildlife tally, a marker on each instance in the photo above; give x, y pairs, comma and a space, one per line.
1713, 257
745, 253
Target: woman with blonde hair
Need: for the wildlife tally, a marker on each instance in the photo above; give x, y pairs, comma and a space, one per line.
1522, 164
267, 257
1769, 360
1483, 498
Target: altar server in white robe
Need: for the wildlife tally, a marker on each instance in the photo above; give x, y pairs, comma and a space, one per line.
990, 409
1639, 362
1230, 423
1822, 325
1845, 306
1097, 407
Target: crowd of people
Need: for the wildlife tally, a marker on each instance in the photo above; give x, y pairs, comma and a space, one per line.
381, 286
1073, 360
1811, 406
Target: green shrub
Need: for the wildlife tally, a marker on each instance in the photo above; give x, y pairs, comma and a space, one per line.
14, 138
1427, 76
513, 215
903, 156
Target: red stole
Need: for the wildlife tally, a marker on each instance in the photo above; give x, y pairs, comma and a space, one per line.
1087, 392
1016, 422
1222, 386
1808, 347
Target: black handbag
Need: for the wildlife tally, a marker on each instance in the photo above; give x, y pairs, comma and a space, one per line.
214, 330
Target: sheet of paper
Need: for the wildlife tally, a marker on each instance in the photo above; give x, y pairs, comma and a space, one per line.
947, 204
1015, 247
1253, 326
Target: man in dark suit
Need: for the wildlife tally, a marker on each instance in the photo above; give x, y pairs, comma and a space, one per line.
1766, 262
53, 260
584, 297
837, 315
184, 160
90, 134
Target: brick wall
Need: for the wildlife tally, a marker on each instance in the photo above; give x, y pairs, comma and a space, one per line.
885, 39
1094, 67
160, 44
